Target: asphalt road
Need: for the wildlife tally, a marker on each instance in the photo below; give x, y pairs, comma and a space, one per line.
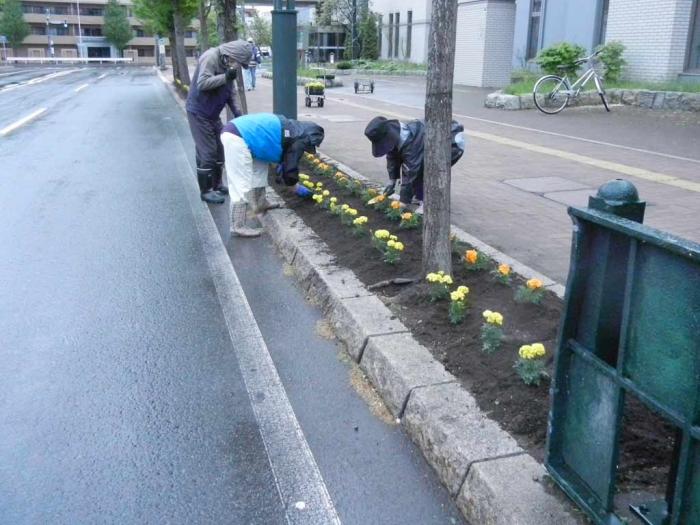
138, 383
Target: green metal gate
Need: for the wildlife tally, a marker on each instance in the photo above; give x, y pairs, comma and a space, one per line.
631, 326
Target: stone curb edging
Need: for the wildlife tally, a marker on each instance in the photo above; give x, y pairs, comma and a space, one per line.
302, 81
493, 480
498, 256
378, 73
670, 100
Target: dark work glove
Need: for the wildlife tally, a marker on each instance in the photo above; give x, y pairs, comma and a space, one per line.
390, 188
230, 75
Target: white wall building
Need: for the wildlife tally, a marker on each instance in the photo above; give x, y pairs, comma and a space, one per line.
404, 26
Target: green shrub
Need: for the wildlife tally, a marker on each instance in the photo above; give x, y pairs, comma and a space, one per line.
611, 57
344, 65
564, 54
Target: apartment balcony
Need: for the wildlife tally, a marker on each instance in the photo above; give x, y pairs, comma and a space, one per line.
58, 40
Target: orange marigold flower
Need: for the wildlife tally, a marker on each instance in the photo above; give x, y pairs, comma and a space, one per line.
471, 256
534, 284
396, 205
504, 269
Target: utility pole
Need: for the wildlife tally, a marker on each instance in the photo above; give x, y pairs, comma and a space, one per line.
284, 58
80, 34
49, 22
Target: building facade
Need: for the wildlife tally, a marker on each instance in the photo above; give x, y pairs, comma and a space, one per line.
69, 29
661, 37
404, 26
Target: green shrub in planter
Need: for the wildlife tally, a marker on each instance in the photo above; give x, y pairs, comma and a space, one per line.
563, 54
611, 57
344, 65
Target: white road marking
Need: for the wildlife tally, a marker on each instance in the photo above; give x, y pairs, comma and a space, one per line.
102, 76
624, 169
21, 122
38, 80
297, 476
80, 88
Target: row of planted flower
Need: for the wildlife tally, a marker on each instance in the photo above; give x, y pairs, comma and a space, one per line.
530, 363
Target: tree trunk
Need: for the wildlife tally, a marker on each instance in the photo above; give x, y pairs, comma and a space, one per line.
438, 116
179, 44
173, 55
203, 26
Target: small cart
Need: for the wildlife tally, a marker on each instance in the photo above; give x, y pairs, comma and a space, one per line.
315, 94
364, 85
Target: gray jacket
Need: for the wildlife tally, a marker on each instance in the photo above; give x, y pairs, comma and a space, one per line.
210, 91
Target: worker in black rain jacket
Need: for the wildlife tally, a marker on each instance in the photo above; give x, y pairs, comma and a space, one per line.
402, 144
211, 90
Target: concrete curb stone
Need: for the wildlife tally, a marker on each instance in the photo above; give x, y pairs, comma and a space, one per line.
397, 364
357, 320
447, 423
510, 491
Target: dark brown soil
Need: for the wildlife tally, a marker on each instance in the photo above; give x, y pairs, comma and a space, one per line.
520, 409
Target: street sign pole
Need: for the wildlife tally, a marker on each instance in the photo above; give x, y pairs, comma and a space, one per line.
284, 58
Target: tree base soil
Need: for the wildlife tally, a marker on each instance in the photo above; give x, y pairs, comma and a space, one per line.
522, 410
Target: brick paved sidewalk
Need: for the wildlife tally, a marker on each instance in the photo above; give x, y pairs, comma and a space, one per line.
514, 197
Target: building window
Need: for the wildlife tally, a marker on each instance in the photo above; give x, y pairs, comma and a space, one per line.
59, 30
37, 30
391, 36
380, 27
92, 31
92, 11
603, 21
533, 39
397, 18
409, 25
139, 33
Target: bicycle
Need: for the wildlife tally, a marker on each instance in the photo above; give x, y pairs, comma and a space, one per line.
552, 93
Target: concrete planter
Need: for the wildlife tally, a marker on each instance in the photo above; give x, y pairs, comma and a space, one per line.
670, 100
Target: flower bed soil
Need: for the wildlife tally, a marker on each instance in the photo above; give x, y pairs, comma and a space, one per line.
520, 409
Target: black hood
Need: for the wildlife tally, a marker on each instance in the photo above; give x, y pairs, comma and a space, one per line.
314, 135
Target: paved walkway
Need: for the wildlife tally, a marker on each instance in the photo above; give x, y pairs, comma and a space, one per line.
523, 169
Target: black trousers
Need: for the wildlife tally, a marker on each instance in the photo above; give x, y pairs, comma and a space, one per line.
209, 151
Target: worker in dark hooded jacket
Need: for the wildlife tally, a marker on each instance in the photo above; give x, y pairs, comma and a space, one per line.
211, 90
402, 143
251, 143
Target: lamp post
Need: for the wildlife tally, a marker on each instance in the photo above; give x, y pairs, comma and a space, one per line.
284, 58
48, 33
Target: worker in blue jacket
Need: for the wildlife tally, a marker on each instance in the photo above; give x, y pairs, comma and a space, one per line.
252, 142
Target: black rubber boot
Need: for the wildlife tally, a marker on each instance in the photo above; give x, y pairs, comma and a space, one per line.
217, 178
212, 197
206, 193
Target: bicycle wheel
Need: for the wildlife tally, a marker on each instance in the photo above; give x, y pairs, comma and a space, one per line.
601, 92
551, 94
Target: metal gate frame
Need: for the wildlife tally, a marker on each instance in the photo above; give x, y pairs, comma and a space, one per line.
631, 326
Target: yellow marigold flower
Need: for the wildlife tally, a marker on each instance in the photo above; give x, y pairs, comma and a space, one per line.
406, 216
303, 176
432, 277
334, 200
534, 284
504, 269
441, 272
308, 184
326, 193
344, 207
339, 174
319, 184
318, 198
533, 351
380, 198
391, 243
360, 220
382, 235
457, 296
471, 256
393, 237
351, 211
371, 191
398, 246
446, 279
493, 317
395, 205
